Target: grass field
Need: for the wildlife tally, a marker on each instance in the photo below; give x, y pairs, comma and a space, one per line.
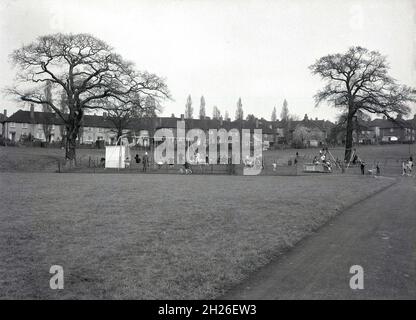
26, 159
156, 236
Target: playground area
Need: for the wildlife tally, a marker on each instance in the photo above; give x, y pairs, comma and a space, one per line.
157, 236
389, 158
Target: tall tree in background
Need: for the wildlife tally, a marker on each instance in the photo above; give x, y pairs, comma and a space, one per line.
216, 113
202, 108
226, 116
274, 115
89, 72
239, 114
284, 114
285, 119
358, 80
251, 118
151, 108
189, 111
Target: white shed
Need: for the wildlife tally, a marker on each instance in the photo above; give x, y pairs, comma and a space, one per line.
117, 156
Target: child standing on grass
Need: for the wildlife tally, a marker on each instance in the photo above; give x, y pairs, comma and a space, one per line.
362, 166
403, 168
145, 161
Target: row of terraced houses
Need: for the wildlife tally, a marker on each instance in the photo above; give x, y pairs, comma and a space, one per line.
48, 127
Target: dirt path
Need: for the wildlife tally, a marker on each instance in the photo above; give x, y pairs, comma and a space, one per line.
378, 234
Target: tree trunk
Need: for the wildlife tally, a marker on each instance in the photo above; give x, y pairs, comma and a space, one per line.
348, 139
72, 131
119, 134
70, 147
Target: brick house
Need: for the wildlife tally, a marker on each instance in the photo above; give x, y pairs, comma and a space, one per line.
317, 131
387, 131
48, 127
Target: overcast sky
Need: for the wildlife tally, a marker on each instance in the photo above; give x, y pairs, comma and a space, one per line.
256, 50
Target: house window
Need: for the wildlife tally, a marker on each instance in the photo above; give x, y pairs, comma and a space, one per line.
24, 125
391, 129
12, 125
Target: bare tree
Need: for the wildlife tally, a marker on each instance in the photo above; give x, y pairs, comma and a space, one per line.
121, 114
358, 80
189, 110
239, 114
87, 70
202, 108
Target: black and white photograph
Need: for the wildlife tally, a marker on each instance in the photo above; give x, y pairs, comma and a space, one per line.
229, 152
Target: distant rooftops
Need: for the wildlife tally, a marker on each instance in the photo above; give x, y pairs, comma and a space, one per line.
268, 127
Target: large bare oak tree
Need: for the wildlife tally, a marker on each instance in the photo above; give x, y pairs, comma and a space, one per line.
358, 80
89, 73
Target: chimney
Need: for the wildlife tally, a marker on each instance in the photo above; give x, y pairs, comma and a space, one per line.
306, 117
316, 118
221, 121
32, 112
257, 123
182, 116
173, 115
5, 113
104, 114
399, 116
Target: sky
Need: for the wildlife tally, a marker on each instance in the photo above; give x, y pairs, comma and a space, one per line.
257, 50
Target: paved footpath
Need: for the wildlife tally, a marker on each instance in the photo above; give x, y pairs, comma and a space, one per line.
378, 234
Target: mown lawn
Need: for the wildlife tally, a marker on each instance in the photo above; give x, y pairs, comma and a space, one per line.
156, 236
28, 159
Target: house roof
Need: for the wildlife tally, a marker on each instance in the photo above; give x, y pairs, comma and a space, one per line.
99, 121
387, 123
22, 116
204, 124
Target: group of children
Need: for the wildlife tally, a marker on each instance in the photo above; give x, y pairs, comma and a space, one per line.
324, 159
